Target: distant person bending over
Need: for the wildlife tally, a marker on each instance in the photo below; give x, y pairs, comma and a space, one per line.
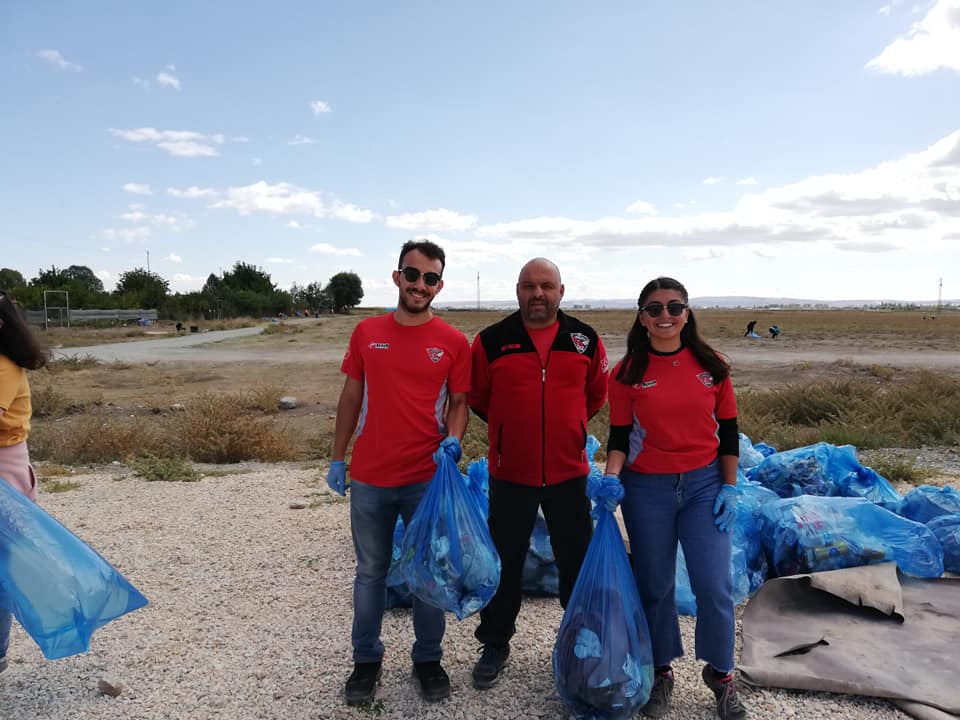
674, 446
774, 331
750, 326
19, 351
539, 375
408, 375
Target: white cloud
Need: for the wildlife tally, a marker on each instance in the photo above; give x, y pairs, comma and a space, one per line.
301, 140
328, 249
165, 79
747, 181
127, 235
55, 58
713, 180
174, 258
180, 143
288, 199
641, 207
176, 223
279, 261
140, 82
240, 139
103, 275
192, 193
911, 201
256, 161
137, 189
294, 224
440, 220
319, 107
930, 44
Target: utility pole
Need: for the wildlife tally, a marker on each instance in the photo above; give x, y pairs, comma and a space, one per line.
940, 296
478, 289
148, 261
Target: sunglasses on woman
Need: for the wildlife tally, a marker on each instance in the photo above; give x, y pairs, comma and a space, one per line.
411, 275
655, 309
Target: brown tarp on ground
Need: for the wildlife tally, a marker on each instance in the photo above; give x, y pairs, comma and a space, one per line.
861, 631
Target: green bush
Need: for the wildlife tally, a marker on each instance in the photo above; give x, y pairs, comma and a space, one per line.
169, 469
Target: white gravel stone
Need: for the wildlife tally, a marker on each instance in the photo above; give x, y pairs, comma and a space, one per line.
250, 614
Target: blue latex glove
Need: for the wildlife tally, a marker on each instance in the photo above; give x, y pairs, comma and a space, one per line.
337, 477
451, 447
725, 508
607, 492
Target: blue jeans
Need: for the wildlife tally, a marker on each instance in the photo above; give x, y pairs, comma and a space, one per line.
658, 510
373, 516
6, 619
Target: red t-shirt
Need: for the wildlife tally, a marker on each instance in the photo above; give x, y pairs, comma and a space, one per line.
673, 412
543, 339
408, 372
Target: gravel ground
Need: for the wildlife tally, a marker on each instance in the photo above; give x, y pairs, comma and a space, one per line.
250, 613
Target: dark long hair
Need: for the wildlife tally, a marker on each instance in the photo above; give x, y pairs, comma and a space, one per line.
17, 340
635, 362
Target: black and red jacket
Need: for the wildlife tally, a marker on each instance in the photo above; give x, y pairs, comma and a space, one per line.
536, 412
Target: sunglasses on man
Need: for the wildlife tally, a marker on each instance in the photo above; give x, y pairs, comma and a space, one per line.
655, 309
411, 275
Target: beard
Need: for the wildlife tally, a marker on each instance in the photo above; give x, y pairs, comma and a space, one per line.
405, 301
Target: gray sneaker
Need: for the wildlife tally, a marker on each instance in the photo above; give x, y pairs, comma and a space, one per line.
660, 694
729, 705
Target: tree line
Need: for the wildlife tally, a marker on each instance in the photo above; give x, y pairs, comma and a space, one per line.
243, 291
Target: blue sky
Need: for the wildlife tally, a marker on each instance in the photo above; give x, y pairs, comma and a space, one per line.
801, 149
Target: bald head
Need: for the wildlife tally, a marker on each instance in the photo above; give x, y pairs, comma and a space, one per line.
539, 292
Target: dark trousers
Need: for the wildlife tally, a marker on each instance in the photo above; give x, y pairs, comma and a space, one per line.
513, 512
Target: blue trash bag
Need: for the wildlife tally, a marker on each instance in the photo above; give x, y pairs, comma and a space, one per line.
478, 480
602, 661
824, 469
812, 534
764, 449
398, 594
748, 567
540, 577
57, 586
749, 455
946, 528
590, 448
447, 557
926, 502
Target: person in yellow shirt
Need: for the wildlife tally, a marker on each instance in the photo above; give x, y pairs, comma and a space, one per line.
19, 351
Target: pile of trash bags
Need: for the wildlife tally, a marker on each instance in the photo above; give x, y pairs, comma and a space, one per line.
58, 587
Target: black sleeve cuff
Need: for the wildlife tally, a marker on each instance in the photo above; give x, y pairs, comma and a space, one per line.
619, 438
729, 437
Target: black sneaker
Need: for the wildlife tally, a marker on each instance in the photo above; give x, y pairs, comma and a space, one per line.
488, 668
729, 706
362, 683
660, 694
434, 681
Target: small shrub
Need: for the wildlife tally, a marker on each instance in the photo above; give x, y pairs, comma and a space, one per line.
170, 469
884, 372
265, 398
219, 429
58, 486
903, 471
93, 440
47, 401
72, 363
845, 362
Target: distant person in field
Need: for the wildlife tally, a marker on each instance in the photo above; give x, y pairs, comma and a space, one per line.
774, 332
19, 351
750, 326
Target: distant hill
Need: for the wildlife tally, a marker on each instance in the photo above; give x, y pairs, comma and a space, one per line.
706, 301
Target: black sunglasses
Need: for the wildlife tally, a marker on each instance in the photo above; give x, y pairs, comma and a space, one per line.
411, 275
655, 309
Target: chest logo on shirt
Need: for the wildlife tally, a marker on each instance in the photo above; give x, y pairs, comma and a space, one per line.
580, 341
379, 346
434, 354
646, 384
604, 365
510, 346
706, 378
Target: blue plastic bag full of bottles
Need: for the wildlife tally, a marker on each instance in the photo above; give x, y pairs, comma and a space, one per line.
447, 557
824, 469
946, 528
398, 594
540, 576
602, 661
926, 502
811, 534
749, 455
57, 586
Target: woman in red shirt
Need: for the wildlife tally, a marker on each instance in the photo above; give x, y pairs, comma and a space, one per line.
674, 445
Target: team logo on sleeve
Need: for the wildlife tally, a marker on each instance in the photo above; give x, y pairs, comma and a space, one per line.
706, 378
580, 341
434, 354
604, 365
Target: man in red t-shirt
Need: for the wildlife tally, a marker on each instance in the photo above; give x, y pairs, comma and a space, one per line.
538, 376
405, 395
